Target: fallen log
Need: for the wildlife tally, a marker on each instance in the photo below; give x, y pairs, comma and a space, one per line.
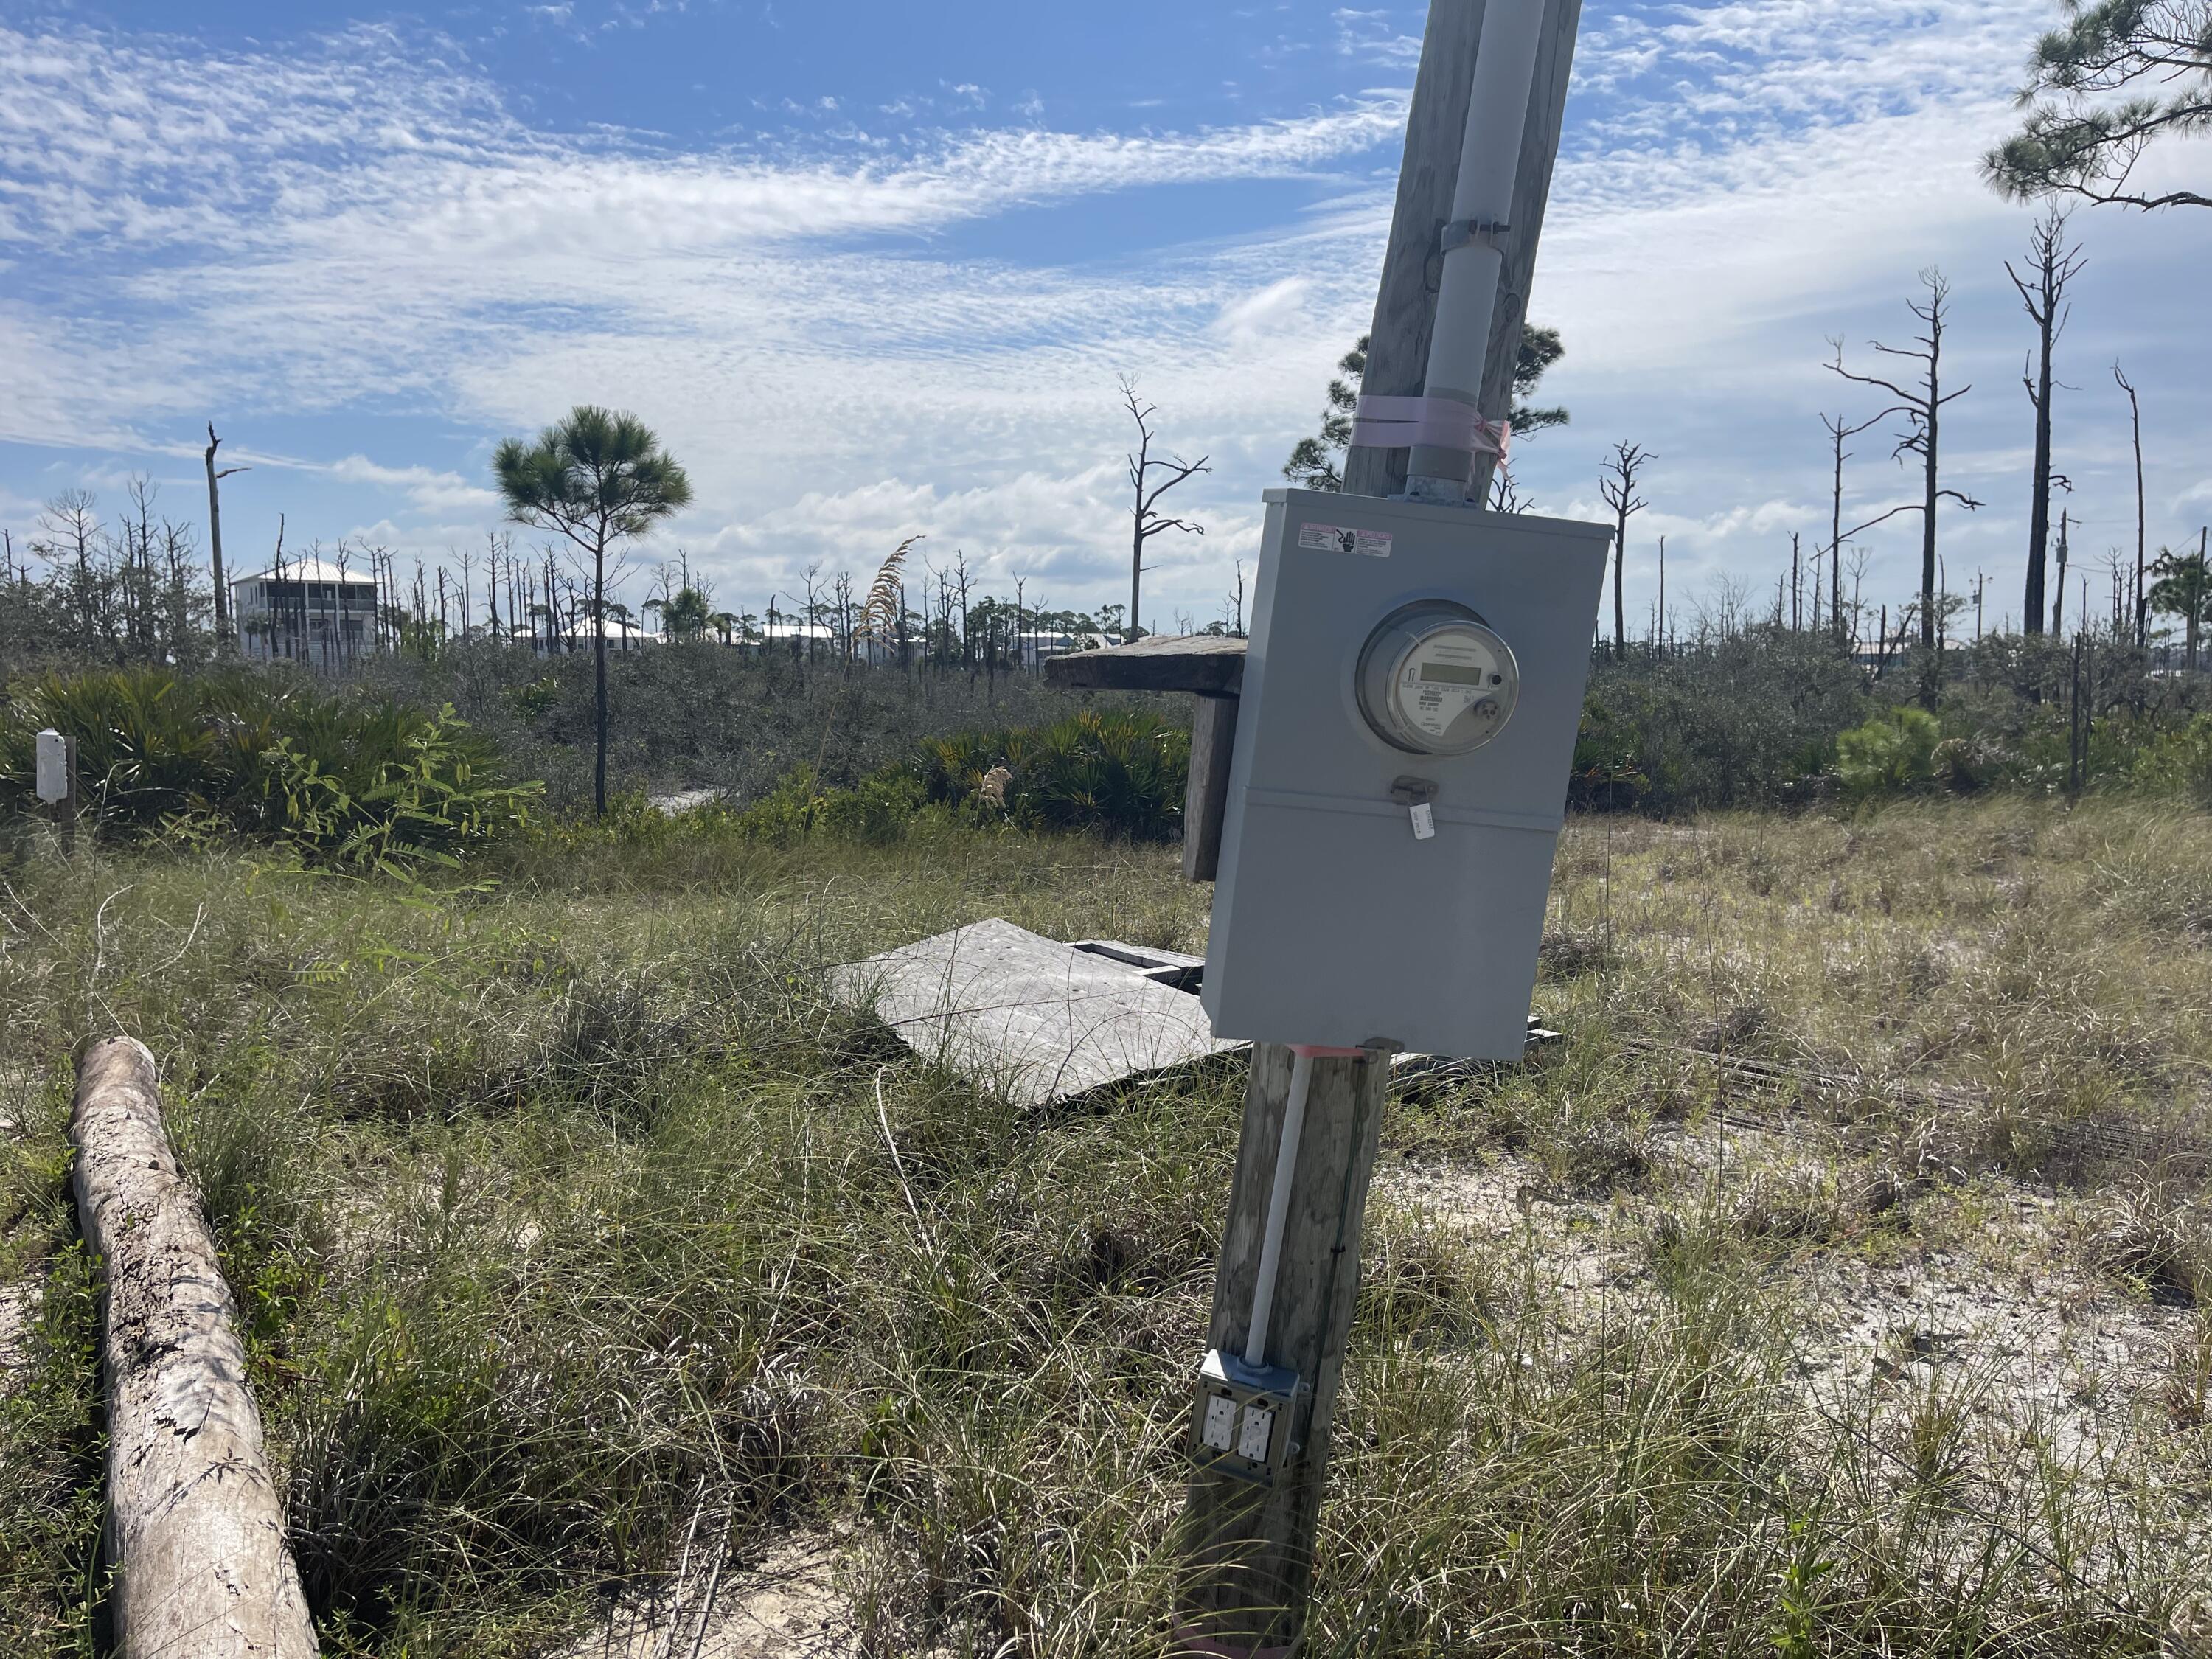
195, 1531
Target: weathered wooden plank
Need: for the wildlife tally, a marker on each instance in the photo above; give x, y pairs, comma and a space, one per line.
1212, 664
195, 1529
1036, 1019
1206, 796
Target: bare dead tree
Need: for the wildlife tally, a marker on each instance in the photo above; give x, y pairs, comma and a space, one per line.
1922, 407
962, 578
2059, 598
1617, 484
1146, 521
1839, 430
812, 575
2141, 596
466, 559
68, 530
840, 606
2052, 264
1506, 495
215, 541
492, 550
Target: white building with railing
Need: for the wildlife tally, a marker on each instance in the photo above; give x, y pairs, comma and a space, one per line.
305, 610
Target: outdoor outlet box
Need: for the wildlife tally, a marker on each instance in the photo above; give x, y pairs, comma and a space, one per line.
1242, 1427
1412, 687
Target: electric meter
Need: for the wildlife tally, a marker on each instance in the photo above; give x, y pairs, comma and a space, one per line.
1411, 693
1434, 679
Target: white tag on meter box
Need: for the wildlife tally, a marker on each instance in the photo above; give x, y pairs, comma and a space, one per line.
1333, 924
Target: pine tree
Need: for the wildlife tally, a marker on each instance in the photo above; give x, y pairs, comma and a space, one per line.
1318, 462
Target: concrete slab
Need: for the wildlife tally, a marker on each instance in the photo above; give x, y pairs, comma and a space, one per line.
1042, 1020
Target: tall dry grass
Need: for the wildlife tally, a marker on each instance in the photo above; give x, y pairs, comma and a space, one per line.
566, 1213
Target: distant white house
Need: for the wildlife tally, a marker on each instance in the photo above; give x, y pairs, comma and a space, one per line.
308, 611
621, 636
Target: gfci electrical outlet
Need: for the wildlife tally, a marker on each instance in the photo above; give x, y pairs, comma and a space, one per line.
1219, 1430
1258, 1429
1240, 1426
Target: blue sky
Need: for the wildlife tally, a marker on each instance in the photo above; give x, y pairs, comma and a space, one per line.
873, 269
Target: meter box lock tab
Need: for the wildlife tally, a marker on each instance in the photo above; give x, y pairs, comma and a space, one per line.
1412, 691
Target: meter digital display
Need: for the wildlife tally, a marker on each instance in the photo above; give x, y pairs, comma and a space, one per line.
1435, 679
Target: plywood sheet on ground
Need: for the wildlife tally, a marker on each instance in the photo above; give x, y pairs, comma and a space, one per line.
1040, 1019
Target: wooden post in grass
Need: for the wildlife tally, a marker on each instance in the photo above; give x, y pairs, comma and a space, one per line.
1205, 795
1248, 1548
1211, 667
195, 1529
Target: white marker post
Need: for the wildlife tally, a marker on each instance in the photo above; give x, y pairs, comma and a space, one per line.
57, 781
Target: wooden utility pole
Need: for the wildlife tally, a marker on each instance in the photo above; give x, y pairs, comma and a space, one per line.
1413, 264
1250, 1548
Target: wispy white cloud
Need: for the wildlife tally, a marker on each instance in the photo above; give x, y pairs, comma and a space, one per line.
1379, 36
371, 228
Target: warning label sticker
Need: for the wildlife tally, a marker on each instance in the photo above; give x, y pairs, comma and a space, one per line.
1339, 539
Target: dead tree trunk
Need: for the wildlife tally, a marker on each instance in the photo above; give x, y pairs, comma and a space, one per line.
214, 542
1145, 520
1620, 492
2051, 265
195, 1529
2135, 423
1922, 407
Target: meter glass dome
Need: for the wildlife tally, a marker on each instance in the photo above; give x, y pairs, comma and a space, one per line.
1435, 679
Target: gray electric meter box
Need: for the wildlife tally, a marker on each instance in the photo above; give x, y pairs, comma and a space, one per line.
1412, 690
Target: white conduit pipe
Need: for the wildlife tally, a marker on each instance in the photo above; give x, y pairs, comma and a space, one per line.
1467, 293
1278, 1208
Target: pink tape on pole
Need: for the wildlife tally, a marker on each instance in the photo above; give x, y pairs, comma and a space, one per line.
1380, 422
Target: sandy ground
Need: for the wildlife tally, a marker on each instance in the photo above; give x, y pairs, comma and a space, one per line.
785, 1605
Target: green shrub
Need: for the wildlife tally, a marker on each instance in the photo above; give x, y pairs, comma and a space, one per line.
1738, 718
878, 808
1893, 753
1120, 771
2178, 761
348, 781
